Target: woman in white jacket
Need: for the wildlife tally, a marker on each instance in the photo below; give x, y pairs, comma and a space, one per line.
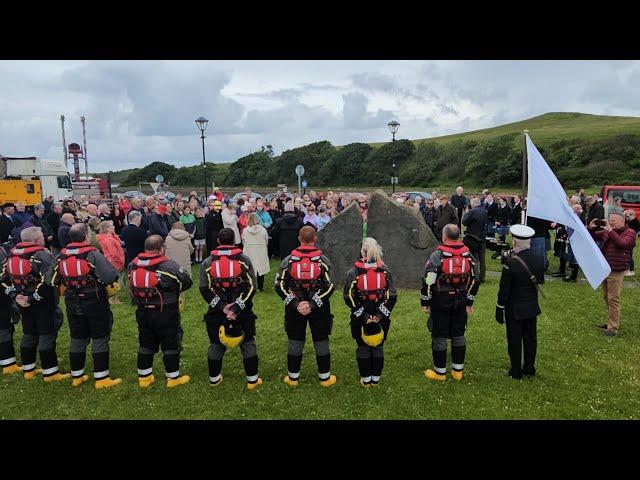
255, 240
230, 220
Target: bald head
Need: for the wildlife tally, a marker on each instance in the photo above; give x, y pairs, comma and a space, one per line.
450, 233
79, 233
67, 218
153, 244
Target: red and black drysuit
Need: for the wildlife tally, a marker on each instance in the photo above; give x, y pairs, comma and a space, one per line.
7, 320
85, 273
227, 277
28, 272
449, 286
369, 292
293, 289
156, 283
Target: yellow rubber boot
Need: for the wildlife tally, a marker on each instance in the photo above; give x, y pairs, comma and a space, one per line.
56, 377
145, 382
432, 375
218, 382
365, 385
175, 382
11, 369
32, 374
107, 383
457, 374
290, 382
79, 380
329, 381
253, 386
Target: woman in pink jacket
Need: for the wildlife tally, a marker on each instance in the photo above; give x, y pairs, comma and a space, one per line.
111, 249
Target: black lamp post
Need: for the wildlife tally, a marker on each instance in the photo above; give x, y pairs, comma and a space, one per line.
202, 123
393, 128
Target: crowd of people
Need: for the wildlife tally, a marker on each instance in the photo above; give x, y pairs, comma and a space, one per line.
85, 252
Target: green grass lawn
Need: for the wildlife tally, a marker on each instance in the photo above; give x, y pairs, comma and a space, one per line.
581, 373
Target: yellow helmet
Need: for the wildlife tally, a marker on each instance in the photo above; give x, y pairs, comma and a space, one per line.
230, 336
372, 334
113, 289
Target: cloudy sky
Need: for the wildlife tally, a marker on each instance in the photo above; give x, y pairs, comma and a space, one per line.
143, 111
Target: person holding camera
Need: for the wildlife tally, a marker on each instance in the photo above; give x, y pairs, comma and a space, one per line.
617, 241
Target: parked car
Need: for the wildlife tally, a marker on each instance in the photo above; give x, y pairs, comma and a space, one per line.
239, 194
413, 195
133, 194
270, 196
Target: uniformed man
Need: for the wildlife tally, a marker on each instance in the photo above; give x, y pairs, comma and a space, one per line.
27, 277
228, 283
447, 295
518, 301
156, 283
7, 319
305, 285
85, 275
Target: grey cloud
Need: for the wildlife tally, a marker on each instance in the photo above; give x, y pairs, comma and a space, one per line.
375, 82
356, 116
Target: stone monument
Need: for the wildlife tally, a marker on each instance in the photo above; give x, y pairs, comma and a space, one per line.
406, 240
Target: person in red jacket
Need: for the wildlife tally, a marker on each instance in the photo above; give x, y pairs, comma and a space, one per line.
617, 241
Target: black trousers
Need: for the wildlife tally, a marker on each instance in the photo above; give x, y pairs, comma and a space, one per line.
159, 329
521, 335
478, 250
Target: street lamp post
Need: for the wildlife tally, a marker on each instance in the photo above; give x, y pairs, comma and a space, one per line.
393, 128
202, 123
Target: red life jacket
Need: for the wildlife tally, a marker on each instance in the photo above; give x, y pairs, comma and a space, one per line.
371, 281
19, 266
225, 273
74, 269
455, 265
144, 280
304, 268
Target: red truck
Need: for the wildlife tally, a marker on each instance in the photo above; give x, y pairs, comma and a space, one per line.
630, 195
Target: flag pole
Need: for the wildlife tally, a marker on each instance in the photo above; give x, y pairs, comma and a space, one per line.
523, 215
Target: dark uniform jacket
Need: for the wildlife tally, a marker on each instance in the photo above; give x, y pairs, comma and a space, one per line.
517, 294
318, 299
103, 271
285, 233
432, 288
240, 298
43, 294
53, 220
173, 280
361, 308
212, 226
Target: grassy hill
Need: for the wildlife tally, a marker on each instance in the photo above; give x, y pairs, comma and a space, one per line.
547, 128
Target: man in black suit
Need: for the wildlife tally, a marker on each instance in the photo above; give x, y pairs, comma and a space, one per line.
518, 301
6, 222
133, 236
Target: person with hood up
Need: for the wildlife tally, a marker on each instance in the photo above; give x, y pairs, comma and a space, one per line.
178, 246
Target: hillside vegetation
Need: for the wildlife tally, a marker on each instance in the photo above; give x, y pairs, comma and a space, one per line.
581, 149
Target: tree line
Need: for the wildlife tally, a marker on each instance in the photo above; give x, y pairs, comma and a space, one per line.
496, 161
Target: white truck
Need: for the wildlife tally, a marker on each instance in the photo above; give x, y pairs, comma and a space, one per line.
22, 177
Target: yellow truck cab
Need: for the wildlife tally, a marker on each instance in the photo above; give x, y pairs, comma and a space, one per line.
30, 180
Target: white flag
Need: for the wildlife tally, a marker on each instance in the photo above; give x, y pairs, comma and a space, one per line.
547, 199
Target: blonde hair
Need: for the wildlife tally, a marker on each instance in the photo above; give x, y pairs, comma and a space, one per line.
371, 251
104, 226
252, 219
